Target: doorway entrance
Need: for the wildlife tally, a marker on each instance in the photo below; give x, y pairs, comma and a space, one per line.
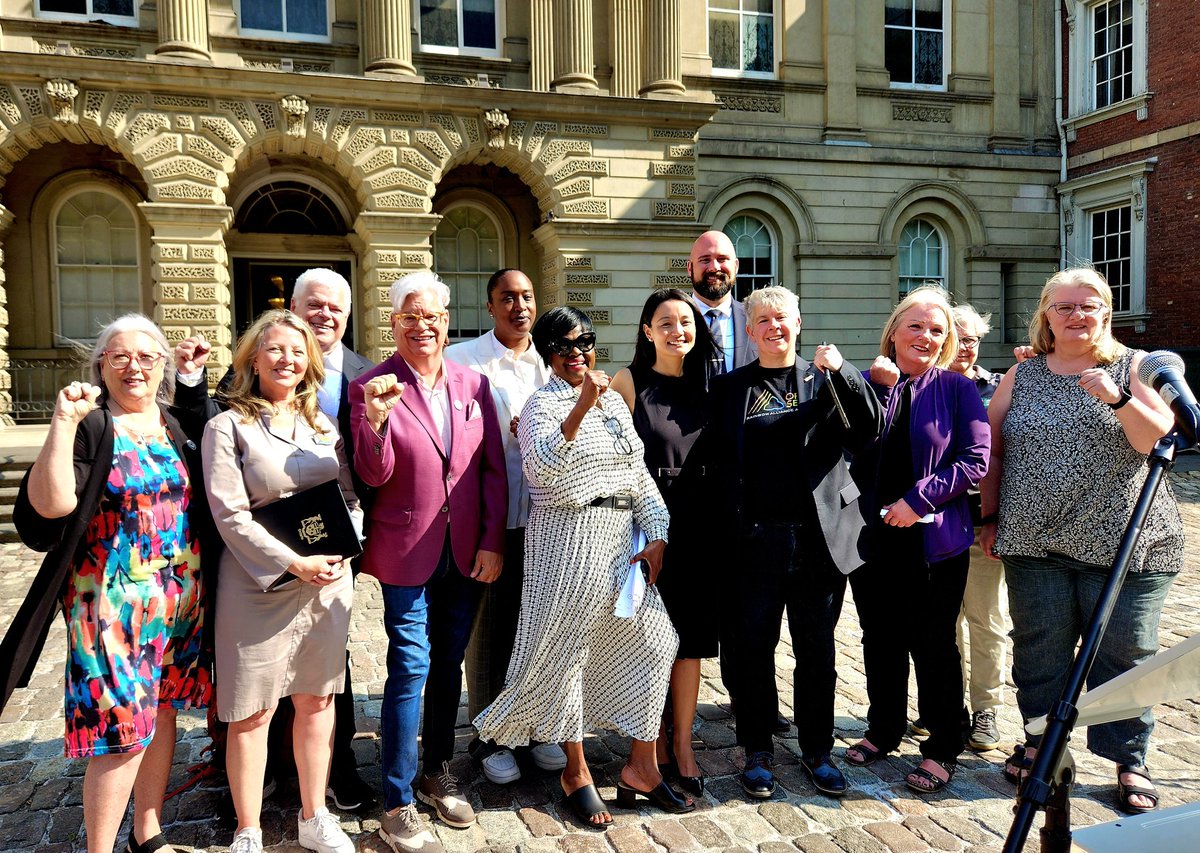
263, 283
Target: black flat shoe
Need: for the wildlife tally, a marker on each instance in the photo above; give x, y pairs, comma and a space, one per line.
661, 796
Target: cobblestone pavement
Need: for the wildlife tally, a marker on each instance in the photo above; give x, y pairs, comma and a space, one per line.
41, 792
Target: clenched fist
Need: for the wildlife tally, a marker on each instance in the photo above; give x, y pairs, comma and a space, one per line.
827, 357
380, 395
75, 402
884, 371
191, 354
595, 383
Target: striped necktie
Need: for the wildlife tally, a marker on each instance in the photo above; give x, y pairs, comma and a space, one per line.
717, 365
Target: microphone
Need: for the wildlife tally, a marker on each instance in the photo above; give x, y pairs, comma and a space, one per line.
1163, 371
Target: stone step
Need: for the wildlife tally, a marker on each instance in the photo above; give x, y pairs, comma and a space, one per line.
8, 496
8, 532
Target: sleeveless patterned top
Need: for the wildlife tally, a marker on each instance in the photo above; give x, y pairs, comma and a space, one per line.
1071, 478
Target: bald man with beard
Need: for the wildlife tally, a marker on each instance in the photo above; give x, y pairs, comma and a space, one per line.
713, 267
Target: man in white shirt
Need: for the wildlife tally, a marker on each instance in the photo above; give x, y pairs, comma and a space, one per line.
505, 355
321, 297
713, 267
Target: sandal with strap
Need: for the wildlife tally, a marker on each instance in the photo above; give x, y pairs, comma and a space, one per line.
935, 785
869, 754
1017, 765
587, 805
1125, 793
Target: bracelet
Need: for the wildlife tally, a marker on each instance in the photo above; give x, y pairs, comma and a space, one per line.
1125, 398
989, 519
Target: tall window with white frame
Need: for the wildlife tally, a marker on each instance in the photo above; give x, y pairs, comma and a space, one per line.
922, 256
467, 249
452, 26
96, 271
1112, 256
755, 249
741, 36
121, 12
307, 20
914, 42
1112, 52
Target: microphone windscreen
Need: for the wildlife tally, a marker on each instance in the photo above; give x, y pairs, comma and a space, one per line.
1155, 363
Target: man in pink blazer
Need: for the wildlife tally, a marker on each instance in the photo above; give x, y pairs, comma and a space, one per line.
427, 438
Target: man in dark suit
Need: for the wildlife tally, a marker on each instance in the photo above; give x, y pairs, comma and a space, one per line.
713, 267
322, 298
776, 443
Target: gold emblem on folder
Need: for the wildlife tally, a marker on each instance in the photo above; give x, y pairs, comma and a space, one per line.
312, 530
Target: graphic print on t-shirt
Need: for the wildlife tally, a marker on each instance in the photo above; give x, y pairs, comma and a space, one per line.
768, 402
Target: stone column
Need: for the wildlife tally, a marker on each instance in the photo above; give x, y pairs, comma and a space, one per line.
663, 57
626, 40
541, 45
387, 38
841, 72
573, 56
1006, 76
6, 221
191, 274
390, 246
183, 30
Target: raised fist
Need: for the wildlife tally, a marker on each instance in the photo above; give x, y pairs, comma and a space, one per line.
380, 395
75, 401
884, 372
191, 354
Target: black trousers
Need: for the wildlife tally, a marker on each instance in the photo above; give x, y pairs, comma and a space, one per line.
782, 572
906, 606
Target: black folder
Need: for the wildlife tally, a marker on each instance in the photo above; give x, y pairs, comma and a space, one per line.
313, 521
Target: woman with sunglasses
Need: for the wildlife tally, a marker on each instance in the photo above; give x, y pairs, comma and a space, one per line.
115, 497
666, 390
575, 665
1071, 429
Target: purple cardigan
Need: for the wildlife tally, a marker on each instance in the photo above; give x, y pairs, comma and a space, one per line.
951, 446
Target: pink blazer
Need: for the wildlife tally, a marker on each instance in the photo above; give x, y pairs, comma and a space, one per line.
419, 490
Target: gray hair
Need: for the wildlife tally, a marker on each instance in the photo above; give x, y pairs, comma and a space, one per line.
320, 275
971, 321
419, 282
775, 298
134, 323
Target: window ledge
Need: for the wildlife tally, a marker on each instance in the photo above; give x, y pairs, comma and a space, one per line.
1131, 319
1136, 103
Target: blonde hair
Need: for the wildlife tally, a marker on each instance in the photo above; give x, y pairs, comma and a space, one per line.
967, 317
244, 396
926, 294
1107, 349
134, 323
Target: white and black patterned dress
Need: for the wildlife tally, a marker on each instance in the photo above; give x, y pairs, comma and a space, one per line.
576, 666
1071, 478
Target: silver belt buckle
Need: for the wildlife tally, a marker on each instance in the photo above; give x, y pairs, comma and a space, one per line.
622, 502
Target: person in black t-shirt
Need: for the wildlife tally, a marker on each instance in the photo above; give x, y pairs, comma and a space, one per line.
776, 444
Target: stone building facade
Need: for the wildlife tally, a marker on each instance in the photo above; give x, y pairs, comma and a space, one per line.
188, 159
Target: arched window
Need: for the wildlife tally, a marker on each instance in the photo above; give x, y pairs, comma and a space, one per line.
467, 249
289, 207
922, 256
96, 270
755, 248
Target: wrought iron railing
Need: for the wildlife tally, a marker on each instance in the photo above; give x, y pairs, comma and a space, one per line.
36, 383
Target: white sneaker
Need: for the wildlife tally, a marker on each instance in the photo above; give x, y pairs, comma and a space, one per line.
322, 832
249, 840
549, 756
501, 767
404, 832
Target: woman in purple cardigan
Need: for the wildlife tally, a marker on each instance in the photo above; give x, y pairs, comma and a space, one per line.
935, 446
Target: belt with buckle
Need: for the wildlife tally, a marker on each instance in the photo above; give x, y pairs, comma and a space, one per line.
624, 502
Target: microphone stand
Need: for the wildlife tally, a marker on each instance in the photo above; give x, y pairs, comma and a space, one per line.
1048, 785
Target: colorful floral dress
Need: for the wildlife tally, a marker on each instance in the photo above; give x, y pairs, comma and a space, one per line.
135, 604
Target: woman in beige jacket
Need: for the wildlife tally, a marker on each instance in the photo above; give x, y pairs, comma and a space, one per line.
282, 619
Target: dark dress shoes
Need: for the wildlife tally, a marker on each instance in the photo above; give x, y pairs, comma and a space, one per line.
758, 780
825, 775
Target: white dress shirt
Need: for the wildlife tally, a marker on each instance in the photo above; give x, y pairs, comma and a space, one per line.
438, 400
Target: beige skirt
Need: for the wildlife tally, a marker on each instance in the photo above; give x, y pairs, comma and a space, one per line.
289, 640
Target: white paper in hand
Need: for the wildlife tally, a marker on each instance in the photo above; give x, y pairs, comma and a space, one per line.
629, 599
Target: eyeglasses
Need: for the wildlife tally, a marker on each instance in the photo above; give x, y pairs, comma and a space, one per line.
564, 346
411, 321
1066, 309
968, 342
119, 360
618, 433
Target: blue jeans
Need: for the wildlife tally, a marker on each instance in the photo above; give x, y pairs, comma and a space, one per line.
427, 629
1051, 600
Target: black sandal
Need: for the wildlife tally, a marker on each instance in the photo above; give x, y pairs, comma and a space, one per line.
158, 842
1125, 792
936, 785
869, 754
586, 804
1016, 764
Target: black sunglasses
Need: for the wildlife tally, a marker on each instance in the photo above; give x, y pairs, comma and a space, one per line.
564, 346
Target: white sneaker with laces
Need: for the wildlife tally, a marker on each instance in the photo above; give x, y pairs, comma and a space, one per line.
501, 767
549, 756
249, 840
322, 832
404, 832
